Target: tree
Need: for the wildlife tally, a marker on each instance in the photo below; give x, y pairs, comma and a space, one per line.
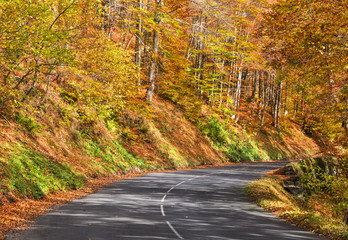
306, 41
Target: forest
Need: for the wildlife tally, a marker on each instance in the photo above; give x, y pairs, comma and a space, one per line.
248, 60
90, 88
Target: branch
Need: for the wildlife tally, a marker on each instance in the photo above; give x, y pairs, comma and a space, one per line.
60, 14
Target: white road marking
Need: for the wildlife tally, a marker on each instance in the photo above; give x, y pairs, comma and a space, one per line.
196, 177
170, 189
177, 185
174, 231
164, 198
162, 211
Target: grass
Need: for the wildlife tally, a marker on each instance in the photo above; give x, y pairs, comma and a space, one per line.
238, 147
27, 173
269, 194
114, 157
171, 153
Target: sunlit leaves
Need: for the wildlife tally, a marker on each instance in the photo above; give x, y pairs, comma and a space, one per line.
45, 41
308, 39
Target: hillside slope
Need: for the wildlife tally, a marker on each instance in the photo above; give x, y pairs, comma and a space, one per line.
46, 151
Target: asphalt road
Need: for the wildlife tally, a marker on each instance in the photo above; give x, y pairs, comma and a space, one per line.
197, 204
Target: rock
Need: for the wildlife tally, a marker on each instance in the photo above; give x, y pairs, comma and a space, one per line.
294, 190
288, 182
295, 178
289, 170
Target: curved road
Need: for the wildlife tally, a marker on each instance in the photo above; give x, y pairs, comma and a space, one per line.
197, 204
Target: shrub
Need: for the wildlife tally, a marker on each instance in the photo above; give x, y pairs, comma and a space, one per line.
321, 179
237, 147
317, 181
216, 131
244, 150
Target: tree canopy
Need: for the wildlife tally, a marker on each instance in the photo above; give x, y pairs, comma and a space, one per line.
253, 61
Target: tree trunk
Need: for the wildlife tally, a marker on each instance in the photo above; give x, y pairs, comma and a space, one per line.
261, 76
138, 45
230, 77
238, 90
265, 99
277, 105
254, 86
286, 101
153, 67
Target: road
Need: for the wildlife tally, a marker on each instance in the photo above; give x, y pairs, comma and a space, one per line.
197, 204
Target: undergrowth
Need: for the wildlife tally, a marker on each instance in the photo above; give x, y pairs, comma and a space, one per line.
115, 158
28, 123
326, 180
238, 147
269, 194
27, 173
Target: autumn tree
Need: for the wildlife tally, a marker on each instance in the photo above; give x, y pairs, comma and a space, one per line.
61, 43
306, 41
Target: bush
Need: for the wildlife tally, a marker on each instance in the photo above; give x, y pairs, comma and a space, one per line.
320, 179
216, 131
317, 181
244, 150
237, 149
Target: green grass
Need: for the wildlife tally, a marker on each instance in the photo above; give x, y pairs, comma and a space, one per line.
115, 158
30, 174
216, 131
238, 147
244, 150
269, 194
